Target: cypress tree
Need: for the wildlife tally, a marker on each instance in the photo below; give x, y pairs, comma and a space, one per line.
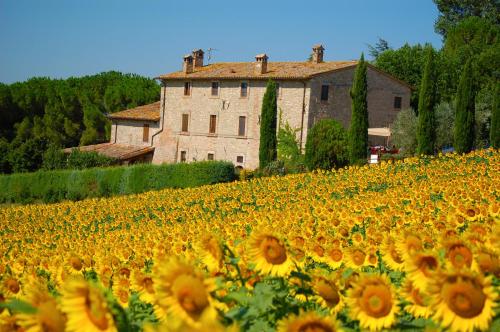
268, 123
495, 120
463, 135
426, 127
358, 130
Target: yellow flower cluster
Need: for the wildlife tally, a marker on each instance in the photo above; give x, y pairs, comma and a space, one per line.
377, 244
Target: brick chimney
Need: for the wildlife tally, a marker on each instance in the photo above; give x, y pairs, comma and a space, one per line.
261, 63
317, 56
187, 66
198, 58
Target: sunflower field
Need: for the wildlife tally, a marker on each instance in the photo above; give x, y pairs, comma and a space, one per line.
405, 245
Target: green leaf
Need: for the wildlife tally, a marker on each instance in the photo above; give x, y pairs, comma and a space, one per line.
19, 306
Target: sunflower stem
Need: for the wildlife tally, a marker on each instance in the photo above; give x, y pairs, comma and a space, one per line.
232, 255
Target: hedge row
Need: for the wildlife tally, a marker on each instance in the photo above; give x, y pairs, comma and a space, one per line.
55, 186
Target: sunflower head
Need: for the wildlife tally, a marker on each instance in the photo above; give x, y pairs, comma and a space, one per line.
463, 301
86, 307
310, 321
372, 301
270, 254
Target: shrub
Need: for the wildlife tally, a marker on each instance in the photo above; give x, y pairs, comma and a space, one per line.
445, 117
289, 149
54, 186
54, 158
80, 160
404, 132
326, 145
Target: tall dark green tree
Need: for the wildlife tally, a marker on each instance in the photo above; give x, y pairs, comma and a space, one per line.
453, 12
426, 127
358, 130
495, 120
463, 134
268, 123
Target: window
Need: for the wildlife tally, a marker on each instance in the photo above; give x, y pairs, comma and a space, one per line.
187, 88
210, 156
183, 156
397, 102
145, 133
185, 123
324, 92
213, 124
244, 90
215, 89
241, 125
239, 159
277, 90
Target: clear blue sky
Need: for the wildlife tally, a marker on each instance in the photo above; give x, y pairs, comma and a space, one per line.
58, 39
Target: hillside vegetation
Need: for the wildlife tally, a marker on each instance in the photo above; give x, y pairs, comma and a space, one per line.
41, 112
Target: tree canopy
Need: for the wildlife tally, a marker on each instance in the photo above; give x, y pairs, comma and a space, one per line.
65, 113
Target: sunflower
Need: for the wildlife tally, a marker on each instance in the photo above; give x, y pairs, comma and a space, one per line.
463, 301
143, 284
327, 292
458, 254
47, 317
372, 301
390, 255
421, 268
487, 261
11, 287
408, 244
419, 302
356, 257
86, 307
307, 321
122, 295
183, 293
211, 252
270, 254
334, 257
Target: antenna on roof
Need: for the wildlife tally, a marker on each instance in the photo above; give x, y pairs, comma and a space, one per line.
209, 51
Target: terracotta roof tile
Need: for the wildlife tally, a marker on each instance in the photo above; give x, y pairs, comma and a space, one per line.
246, 70
150, 112
115, 150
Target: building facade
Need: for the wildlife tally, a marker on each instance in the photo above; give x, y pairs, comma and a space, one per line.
212, 112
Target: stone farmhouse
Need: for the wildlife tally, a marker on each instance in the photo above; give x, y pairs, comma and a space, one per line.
212, 112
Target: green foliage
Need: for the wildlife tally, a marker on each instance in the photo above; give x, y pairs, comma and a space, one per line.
404, 132
268, 124
452, 12
54, 186
326, 145
289, 149
4, 156
68, 112
81, 160
426, 130
95, 123
495, 120
445, 117
28, 156
54, 158
463, 134
358, 130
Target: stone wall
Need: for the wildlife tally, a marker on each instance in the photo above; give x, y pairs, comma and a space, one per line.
228, 106
381, 92
131, 131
